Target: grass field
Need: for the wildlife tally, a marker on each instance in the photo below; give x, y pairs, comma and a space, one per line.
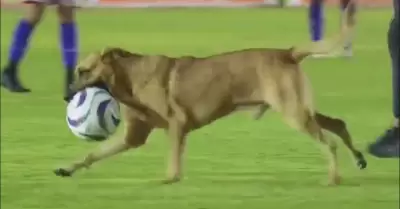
235, 163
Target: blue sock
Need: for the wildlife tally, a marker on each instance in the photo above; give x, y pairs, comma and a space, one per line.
20, 42
316, 19
69, 45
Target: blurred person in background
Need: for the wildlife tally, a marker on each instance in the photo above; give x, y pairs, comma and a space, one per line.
387, 145
317, 22
22, 35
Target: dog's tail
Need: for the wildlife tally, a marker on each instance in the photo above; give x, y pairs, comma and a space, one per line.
328, 45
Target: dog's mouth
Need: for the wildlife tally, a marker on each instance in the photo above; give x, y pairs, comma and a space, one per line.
100, 85
75, 88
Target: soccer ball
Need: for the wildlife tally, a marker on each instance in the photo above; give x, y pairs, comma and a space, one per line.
93, 114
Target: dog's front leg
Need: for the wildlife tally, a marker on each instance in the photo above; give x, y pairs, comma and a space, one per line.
178, 142
104, 151
136, 134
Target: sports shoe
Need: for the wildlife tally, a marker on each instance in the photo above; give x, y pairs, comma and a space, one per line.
387, 145
10, 81
68, 93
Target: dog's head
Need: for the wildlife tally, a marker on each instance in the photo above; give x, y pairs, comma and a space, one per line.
99, 69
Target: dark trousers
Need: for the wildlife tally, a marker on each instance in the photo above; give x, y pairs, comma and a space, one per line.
394, 49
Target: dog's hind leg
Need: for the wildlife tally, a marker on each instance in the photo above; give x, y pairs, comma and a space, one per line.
338, 127
136, 133
296, 105
291, 95
305, 121
313, 128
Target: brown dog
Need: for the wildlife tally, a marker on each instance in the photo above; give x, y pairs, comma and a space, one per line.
184, 94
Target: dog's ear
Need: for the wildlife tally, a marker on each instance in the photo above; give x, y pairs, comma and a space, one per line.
109, 57
110, 54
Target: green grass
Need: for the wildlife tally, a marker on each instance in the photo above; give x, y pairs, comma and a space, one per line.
234, 163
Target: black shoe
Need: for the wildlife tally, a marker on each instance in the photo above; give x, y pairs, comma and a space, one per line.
387, 145
10, 81
68, 93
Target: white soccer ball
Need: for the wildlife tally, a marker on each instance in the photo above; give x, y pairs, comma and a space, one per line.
93, 114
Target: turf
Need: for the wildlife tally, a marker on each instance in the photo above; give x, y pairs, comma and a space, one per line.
233, 163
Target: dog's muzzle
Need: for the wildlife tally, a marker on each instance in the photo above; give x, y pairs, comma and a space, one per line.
74, 89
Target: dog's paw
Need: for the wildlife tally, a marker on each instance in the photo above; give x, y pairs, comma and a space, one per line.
362, 164
62, 172
171, 180
334, 180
